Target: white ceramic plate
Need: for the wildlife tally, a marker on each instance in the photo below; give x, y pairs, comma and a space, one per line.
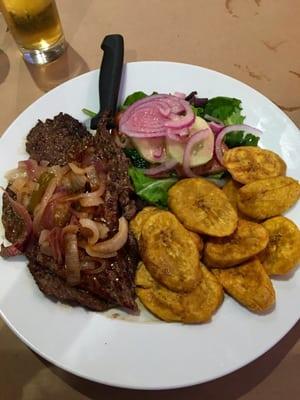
141, 352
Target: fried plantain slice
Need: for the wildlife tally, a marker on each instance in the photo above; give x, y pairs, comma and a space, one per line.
202, 207
249, 284
248, 164
200, 304
283, 251
161, 301
170, 253
231, 189
137, 223
193, 307
268, 197
248, 240
197, 240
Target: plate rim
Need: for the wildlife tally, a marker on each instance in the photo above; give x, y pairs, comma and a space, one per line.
143, 387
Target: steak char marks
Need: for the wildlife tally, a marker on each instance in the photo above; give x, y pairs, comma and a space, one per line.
59, 141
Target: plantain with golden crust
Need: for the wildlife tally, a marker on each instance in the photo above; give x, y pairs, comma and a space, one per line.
193, 307
170, 253
268, 197
137, 223
283, 251
231, 189
202, 207
249, 284
197, 240
248, 164
248, 240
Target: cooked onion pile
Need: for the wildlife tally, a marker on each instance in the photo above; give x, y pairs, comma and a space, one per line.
61, 207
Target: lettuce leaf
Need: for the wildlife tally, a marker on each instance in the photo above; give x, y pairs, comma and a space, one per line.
154, 191
136, 159
236, 139
226, 109
132, 98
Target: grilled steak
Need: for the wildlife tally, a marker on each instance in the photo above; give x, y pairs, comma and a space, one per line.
60, 141
13, 224
53, 286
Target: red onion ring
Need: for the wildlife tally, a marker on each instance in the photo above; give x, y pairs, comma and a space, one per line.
180, 95
232, 128
213, 119
164, 167
154, 115
184, 122
194, 139
216, 128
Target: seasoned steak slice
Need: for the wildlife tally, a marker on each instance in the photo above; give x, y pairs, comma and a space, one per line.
119, 189
58, 140
53, 286
12, 222
113, 281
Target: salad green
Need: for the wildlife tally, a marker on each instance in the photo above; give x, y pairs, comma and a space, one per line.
226, 109
136, 159
154, 191
132, 98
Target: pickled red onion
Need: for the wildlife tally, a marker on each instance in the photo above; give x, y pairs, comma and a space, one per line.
155, 115
164, 167
195, 138
219, 146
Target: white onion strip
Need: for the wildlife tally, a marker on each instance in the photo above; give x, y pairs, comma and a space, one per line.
113, 244
39, 210
92, 227
72, 259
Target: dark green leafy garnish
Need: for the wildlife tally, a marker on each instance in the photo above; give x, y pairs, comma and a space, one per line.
219, 175
198, 111
154, 191
132, 98
236, 139
226, 109
136, 159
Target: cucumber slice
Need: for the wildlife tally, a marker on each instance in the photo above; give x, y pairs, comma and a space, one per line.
201, 154
149, 147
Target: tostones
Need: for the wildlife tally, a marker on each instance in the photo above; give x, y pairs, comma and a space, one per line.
197, 240
283, 251
268, 197
193, 307
170, 253
248, 164
202, 207
137, 223
248, 240
249, 284
231, 189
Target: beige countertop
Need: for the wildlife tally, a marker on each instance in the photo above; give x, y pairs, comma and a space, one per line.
255, 41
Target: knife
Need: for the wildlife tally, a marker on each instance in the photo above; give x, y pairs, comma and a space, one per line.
109, 77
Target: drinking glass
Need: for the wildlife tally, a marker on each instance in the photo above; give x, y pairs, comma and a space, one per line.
36, 28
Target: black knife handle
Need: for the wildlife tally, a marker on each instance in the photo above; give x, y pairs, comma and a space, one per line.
110, 76
110, 72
